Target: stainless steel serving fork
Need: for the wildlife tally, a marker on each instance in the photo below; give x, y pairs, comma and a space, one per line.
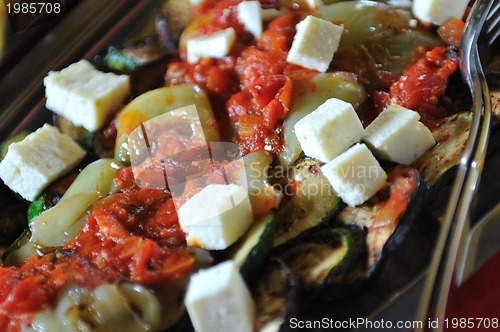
481, 33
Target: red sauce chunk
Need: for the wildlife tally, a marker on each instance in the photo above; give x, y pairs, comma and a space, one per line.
423, 83
451, 31
133, 237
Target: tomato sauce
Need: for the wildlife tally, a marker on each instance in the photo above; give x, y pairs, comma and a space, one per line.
424, 83
451, 31
132, 236
422, 87
251, 88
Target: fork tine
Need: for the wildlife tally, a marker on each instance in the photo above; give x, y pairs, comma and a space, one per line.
440, 275
492, 26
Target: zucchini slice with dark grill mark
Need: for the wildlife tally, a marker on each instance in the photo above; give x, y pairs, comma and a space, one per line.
277, 297
313, 202
118, 61
144, 63
128, 57
251, 251
437, 166
321, 257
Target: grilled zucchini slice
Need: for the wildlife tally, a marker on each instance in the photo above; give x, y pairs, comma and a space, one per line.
312, 203
251, 251
322, 256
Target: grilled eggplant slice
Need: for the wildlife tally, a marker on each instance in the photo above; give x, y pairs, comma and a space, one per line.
437, 166
144, 62
126, 59
12, 217
389, 215
321, 257
174, 17
12, 214
277, 297
312, 203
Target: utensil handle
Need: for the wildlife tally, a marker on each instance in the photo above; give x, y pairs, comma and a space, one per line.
440, 276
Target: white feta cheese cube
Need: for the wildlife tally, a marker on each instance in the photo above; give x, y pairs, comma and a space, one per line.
315, 43
329, 130
43, 156
250, 16
215, 45
397, 135
400, 3
314, 3
355, 175
216, 217
438, 11
84, 95
217, 299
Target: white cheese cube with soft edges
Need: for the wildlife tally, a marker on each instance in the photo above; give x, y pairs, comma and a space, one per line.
84, 95
397, 135
355, 175
43, 156
215, 45
314, 3
218, 299
439, 11
250, 16
216, 217
315, 43
329, 130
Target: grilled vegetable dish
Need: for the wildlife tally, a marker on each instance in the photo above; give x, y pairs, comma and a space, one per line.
248, 157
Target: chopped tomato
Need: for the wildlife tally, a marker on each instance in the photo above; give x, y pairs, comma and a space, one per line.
216, 16
261, 73
279, 34
451, 31
124, 179
423, 83
401, 190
